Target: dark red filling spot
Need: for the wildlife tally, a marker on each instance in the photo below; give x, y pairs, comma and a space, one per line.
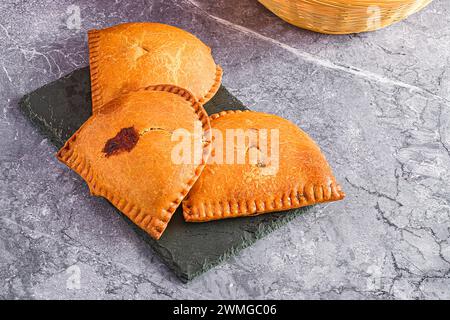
125, 140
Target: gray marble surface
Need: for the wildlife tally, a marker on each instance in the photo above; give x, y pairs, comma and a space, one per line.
378, 104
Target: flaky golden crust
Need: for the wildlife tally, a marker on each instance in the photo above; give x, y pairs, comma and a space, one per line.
131, 56
141, 180
302, 177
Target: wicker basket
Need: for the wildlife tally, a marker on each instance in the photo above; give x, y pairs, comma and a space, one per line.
343, 16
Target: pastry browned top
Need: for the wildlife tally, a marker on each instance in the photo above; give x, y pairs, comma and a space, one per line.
300, 175
132, 56
124, 152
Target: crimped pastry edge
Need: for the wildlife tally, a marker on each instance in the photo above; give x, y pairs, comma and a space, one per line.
155, 226
306, 195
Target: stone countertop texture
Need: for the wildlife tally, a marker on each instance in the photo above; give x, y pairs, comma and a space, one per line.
378, 104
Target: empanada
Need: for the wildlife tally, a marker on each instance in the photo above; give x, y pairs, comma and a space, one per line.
132, 56
124, 153
288, 169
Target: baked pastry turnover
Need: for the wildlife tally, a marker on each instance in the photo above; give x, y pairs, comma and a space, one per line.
282, 169
124, 153
131, 56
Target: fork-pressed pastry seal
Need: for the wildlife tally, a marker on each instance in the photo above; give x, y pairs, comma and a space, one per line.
300, 176
125, 153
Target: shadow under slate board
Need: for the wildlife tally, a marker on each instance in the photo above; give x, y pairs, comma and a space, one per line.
189, 249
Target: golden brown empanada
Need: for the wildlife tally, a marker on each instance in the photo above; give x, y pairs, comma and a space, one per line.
288, 170
124, 153
132, 56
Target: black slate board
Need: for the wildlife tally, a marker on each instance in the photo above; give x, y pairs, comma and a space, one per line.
189, 249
